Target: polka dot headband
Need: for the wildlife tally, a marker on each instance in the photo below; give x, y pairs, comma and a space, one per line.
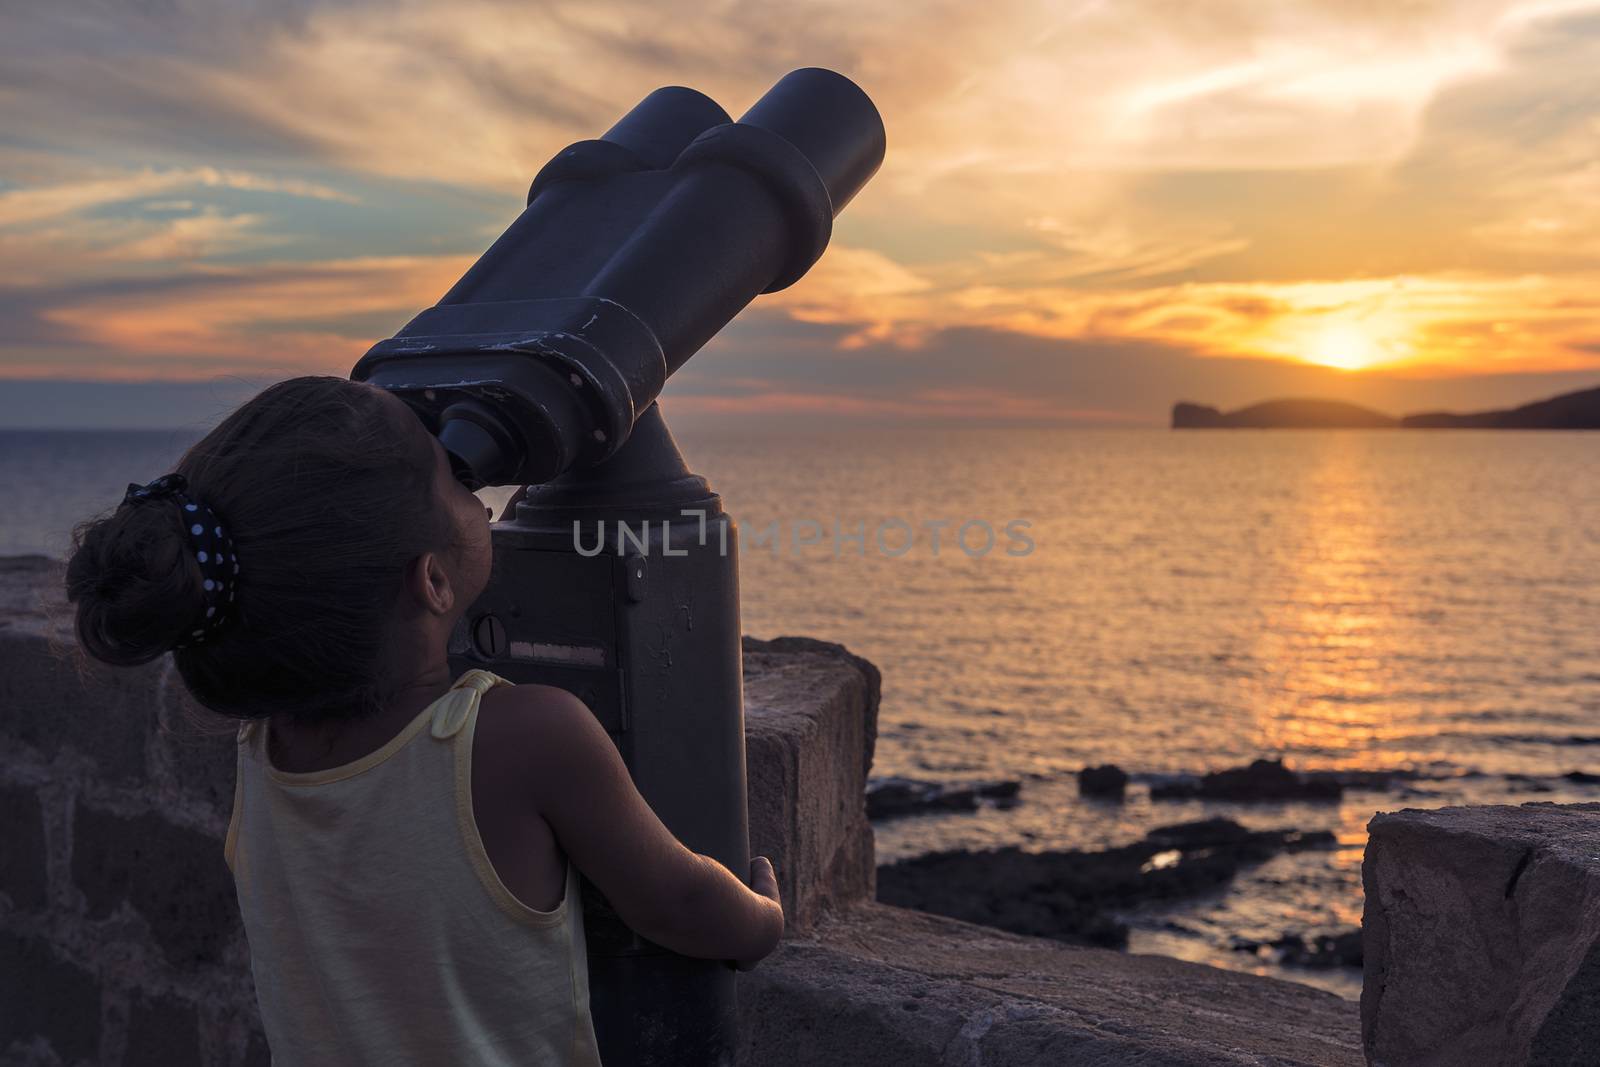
213, 550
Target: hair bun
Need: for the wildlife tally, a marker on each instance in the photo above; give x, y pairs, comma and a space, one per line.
136, 586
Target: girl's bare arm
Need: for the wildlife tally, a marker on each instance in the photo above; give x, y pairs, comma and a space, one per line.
679, 899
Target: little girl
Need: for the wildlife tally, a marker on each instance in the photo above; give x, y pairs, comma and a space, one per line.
405, 844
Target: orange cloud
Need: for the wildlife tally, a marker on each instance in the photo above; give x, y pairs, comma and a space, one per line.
251, 321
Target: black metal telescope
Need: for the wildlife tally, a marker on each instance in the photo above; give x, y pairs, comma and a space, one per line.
615, 574
633, 251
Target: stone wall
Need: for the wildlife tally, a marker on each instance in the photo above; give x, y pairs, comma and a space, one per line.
120, 940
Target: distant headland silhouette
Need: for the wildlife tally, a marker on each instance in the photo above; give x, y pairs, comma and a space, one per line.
1570, 411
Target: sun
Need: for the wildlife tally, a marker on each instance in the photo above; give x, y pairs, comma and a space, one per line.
1343, 345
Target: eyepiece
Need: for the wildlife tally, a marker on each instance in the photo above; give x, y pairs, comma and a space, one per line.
482, 451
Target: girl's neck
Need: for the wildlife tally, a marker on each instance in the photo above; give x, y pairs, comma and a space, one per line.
301, 747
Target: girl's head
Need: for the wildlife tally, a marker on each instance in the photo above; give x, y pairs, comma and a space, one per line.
354, 540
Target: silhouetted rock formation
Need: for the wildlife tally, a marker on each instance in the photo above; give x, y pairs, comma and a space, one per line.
1570, 411
1303, 414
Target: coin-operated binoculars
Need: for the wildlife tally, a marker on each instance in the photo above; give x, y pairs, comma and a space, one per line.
616, 577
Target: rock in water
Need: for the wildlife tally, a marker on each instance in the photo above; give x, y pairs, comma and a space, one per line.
891, 796
1107, 780
1262, 780
1482, 936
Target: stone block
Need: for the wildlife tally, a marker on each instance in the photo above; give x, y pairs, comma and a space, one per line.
173, 876
45, 996
1481, 936
22, 855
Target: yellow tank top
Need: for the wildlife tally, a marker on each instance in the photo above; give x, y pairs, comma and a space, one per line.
379, 932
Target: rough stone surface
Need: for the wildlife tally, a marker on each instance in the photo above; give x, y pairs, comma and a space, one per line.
883, 985
1482, 936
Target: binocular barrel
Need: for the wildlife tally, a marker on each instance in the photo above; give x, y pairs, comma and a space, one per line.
633, 251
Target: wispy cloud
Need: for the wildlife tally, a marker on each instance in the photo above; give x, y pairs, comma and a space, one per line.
273, 319
20, 207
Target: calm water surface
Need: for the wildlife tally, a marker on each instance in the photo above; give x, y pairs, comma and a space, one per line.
1427, 602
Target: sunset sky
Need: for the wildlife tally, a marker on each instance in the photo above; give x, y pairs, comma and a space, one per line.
1088, 210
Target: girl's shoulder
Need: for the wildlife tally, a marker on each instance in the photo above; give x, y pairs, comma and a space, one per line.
531, 728
526, 705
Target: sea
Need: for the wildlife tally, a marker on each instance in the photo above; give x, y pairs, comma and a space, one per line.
1041, 599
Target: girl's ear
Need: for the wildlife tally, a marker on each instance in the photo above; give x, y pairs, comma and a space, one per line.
429, 584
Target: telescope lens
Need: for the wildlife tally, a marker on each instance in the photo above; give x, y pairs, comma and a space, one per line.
478, 455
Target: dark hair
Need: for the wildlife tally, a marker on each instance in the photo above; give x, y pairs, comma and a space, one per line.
327, 494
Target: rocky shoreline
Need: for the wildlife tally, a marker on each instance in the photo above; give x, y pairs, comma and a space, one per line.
1075, 896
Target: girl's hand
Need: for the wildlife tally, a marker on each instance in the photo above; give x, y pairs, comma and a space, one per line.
763, 881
